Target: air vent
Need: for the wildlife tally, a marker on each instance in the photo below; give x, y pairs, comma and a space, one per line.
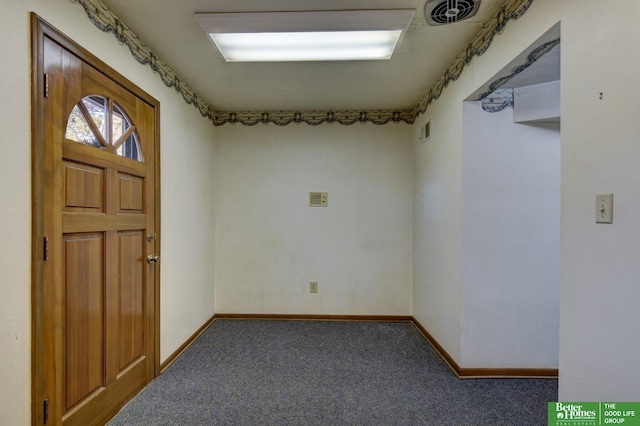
442, 12
318, 199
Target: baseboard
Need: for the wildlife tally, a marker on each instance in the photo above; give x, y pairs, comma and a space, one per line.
453, 365
164, 365
521, 373
305, 317
462, 373
478, 373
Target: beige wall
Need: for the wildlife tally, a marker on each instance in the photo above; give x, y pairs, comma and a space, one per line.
510, 260
15, 217
188, 155
599, 289
271, 244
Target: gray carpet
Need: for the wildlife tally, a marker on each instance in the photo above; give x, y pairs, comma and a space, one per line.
327, 373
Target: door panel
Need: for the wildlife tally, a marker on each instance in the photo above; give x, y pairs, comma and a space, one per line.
131, 193
96, 183
131, 314
83, 186
84, 314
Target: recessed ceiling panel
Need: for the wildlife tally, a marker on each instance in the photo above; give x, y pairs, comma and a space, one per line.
306, 36
306, 46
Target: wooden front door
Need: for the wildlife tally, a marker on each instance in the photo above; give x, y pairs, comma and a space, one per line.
95, 237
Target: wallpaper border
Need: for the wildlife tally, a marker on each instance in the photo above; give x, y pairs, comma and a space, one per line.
104, 19
512, 9
498, 100
314, 118
533, 57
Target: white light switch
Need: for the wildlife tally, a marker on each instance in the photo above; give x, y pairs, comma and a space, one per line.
604, 208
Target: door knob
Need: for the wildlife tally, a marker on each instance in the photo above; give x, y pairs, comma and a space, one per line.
153, 258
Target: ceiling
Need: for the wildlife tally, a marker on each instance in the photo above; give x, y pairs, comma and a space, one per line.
171, 30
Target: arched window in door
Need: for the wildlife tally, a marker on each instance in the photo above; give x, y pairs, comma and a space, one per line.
99, 122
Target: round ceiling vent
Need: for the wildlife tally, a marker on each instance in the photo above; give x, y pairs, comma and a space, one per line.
441, 12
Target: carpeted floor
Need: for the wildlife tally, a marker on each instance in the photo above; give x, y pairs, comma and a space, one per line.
242, 372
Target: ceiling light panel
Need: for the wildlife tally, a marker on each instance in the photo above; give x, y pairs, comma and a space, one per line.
306, 46
307, 36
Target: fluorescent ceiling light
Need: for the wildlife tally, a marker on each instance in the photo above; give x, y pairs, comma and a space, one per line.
307, 36
311, 46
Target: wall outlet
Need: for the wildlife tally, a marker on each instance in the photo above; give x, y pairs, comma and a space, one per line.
313, 287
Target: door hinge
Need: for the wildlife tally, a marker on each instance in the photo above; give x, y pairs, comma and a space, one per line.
46, 85
45, 411
46, 248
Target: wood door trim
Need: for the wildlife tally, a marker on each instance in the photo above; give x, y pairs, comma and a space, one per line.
37, 238
39, 30
79, 51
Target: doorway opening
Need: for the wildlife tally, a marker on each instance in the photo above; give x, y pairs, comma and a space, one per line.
511, 213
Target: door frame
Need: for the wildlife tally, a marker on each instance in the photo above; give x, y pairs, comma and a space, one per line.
39, 29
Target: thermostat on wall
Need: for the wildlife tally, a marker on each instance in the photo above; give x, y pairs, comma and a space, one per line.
318, 199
